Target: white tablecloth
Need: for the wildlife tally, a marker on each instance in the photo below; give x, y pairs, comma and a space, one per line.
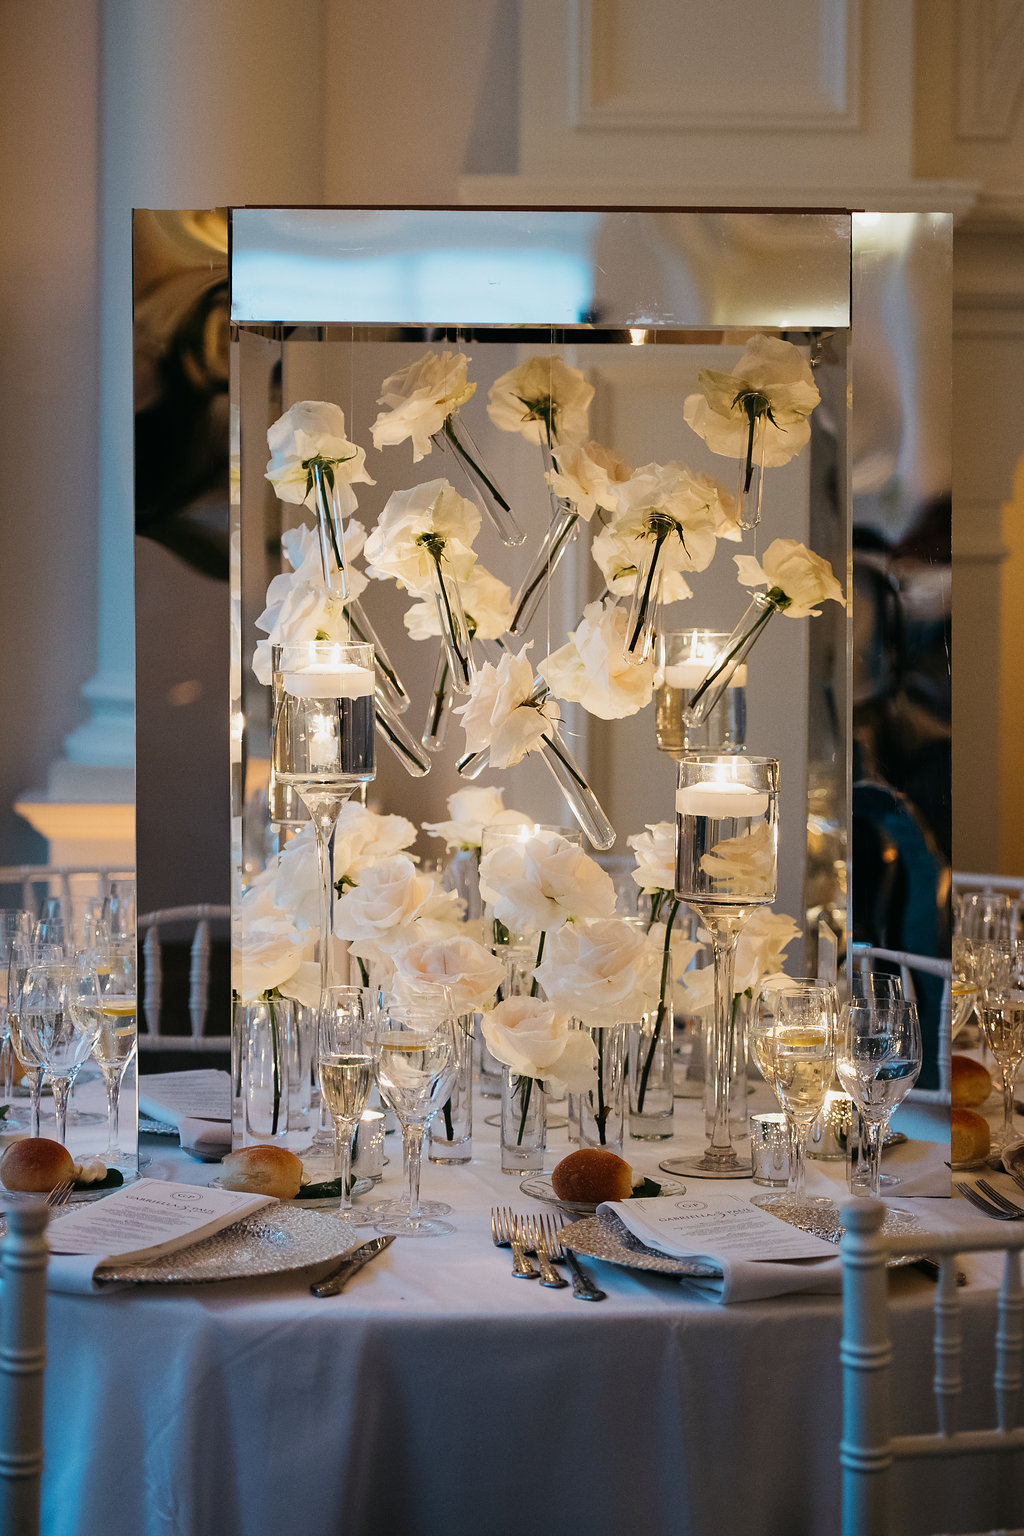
438, 1396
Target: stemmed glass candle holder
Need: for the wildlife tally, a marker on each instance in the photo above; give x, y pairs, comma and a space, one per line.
878, 1059
726, 864
682, 660
416, 1066
345, 1059
795, 1044
322, 746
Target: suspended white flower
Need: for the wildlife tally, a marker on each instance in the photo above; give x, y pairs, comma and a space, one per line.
486, 602
541, 884
417, 529
544, 398
590, 669
315, 430
419, 399
499, 714
796, 577
472, 810
669, 500
616, 552
588, 475
771, 384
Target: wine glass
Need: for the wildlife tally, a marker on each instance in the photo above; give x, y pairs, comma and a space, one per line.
15, 931
120, 909
416, 1067
1001, 1015
345, 1050
878, 1060
798, 1050
965, 982
58, 1020
117, 1035
322, 746
23, 955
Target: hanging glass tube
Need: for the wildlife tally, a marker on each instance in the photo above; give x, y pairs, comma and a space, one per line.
643, 608
403, 744
456, 439
734, 652
576, 792
455, 635
329, 531
388, 681
750, 481
439, 709
535, 583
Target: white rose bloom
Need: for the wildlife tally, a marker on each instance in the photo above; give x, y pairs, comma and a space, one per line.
534, 1039
660, 491
616, 550
655, 852
304, 613
593, 969
497, 713
395, 548
419, 398
486, 602
590, 669
271, 951
469, 971
302, 550
770, 368
314, 429
304, 986
544, 398
539, 885
790, 568
471, 810
588, 475
389, 896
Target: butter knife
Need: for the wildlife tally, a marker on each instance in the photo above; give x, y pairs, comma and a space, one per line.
350, 1265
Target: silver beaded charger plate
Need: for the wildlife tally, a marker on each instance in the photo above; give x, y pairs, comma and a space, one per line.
150, 1127
271, 1241
538, 1187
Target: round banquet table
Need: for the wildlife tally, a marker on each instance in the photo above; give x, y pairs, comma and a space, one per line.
439, 1396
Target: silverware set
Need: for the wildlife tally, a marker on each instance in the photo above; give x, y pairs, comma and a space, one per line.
60, 1194
988, 1199
540, 1236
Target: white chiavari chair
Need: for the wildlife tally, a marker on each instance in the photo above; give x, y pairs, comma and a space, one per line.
201, 920
23, 1257
869, 1447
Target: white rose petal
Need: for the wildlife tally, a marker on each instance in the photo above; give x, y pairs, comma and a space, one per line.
805, 578
532, 1038
588, 475
498, 715
314, 429
419, 398
470, 972
539, 885
394, 548
770, 367
655, 852
542, 391
591, 669
593, 968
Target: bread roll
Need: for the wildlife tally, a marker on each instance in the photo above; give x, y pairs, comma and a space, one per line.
970, 1082
35, 1165
592, 1174
263, 1170
969, 1137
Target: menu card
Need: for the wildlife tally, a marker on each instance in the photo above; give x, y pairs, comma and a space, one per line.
150, 1218
172, 1096
716, 1227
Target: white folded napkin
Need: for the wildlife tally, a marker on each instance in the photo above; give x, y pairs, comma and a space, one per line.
75, 1274
205, 1139
755, 1279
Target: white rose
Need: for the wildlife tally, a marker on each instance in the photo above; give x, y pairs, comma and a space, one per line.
593, 968
419, 399
591, 669
434, 511
588, 475
301, 548
314, 429
655, 852
770, 368
534, 1039
659, 492
616, 550
471, 810
797, 572
389, 895
486, 602
271, 951
469, 971
544, 398
306, 612
498, 714
539, 885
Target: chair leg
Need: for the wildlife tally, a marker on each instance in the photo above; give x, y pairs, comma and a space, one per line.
22, 1361
866, 1354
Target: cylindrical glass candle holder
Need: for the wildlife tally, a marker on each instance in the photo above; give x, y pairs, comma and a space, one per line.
683, 657
261, 1035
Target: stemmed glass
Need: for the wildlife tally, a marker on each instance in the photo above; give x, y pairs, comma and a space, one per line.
24, 954
322, 746
15, 932
965, 982
58, 1020
117, 1035
797, 1052
345, 1052
416, 1068
726, 863
1001, 1015
878, 1059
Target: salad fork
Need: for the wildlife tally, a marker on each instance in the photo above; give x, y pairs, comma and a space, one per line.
505, 1234
60, 1194
977, 1199
583, 1288
535, 1238
998, 1198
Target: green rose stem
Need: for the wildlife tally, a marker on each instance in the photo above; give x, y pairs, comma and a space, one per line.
665, 962
449, 433
601, 1112
434, 545
275, 1051
580, 780
755, 405
776, 601
437, 710
525, 1093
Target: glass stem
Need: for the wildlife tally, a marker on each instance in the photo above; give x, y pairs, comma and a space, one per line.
60, 1087
1009, 1074
873, 1133
724, 930
323, 810
6, 1070
799, 1133
112, 1082
343, 1132
35, 1091
412, 1150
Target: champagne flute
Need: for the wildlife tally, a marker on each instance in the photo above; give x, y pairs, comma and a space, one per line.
1001, 1015
15, 931
878, 1060
799, 1048
117, 1035
345, 1070
23, 955
965, 983
416, 1067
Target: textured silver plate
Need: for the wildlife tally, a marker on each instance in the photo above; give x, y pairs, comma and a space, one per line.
272, 1241
538, 1186
150, 1127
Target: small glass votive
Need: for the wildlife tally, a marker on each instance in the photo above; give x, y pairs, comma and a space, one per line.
769, 1150
368, 1146
831, 1131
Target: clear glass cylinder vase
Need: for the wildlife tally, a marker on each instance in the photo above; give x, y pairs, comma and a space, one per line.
649, 1075
523, 1123
597, 1117
261, 1045
450, 1138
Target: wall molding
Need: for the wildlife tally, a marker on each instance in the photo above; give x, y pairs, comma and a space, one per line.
957, 197
989, 69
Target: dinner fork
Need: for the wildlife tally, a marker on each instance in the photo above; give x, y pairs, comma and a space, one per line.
60, 1194
998, 1198
996, 1212
583, 1288
505, 1234
535, 1238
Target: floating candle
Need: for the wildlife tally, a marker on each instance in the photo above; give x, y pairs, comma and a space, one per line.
690, 674
721, 799
329, 680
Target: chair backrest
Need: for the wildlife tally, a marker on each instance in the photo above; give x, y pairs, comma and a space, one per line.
197, 921
34, 882
869, 1447
22, 1362
866, 957
1011, 885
